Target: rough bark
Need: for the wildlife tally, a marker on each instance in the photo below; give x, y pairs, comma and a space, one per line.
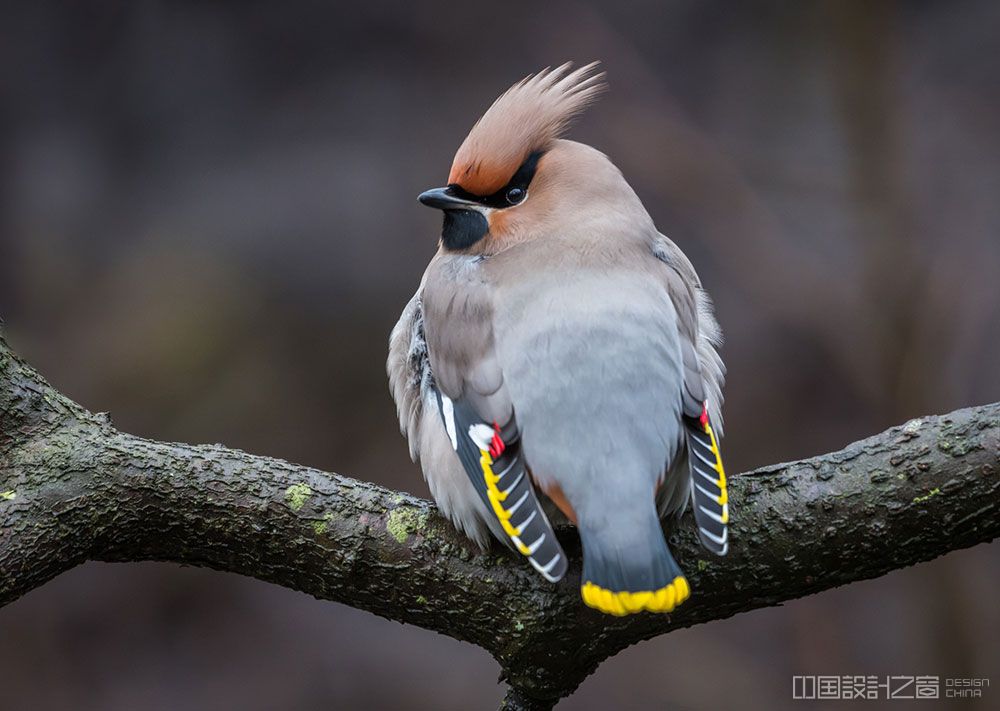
73, 489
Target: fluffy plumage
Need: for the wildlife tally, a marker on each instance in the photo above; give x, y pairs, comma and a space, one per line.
570, 351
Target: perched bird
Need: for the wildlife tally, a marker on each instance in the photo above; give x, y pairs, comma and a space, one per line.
560, 354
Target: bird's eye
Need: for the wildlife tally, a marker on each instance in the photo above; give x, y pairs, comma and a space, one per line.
515, 195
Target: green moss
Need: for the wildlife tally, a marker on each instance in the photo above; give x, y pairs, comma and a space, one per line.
518, 625
421, 600
403, 521
297, 495
929, 495
320, 526
8, 495
702, 565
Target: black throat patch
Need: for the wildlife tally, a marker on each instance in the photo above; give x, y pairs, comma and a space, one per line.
463, 228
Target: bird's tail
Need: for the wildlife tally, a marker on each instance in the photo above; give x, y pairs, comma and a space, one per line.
628, 568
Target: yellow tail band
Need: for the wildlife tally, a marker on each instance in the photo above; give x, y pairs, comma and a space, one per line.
626, 603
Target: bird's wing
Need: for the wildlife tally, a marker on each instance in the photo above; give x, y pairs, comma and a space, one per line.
709, 497
478, 415
492, 457
702, 396
412, 384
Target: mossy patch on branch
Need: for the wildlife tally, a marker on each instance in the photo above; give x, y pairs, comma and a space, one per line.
324, 523
929, 495
403, 521
297, 495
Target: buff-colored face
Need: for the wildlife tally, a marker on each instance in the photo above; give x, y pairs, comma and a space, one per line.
500, 172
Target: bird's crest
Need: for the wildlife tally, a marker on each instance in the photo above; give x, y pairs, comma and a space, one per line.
526, 118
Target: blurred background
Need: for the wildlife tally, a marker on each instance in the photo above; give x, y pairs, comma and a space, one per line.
208, 226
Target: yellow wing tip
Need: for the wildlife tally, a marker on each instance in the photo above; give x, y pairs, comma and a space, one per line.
627, 603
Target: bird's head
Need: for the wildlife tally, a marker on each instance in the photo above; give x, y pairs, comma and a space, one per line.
513, 172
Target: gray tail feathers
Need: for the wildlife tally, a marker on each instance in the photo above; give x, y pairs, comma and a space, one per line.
628, 568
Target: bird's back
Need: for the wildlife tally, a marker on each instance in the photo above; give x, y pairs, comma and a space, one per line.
591, 358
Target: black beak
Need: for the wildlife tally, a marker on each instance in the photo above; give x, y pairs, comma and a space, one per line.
444, 199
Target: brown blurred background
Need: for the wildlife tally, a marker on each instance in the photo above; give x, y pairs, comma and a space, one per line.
208, 226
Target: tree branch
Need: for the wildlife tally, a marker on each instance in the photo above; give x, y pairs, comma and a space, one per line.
73, 489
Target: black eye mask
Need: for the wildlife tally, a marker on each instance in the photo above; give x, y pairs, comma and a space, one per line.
463, 228
510, 194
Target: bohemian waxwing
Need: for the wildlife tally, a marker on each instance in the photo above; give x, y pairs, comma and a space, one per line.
560, 350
